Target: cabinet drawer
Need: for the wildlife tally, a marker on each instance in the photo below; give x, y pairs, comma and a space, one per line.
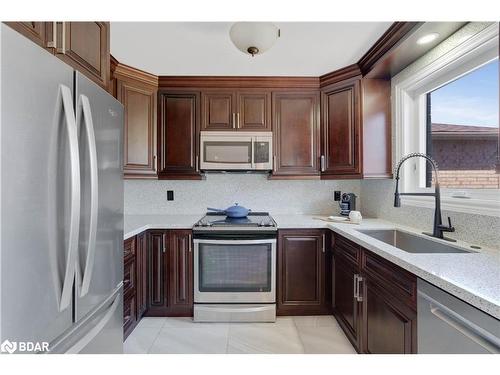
129, 276
347, 249
128, 248
391, 277
129, 313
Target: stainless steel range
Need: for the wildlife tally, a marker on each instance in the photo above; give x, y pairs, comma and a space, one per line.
235, 268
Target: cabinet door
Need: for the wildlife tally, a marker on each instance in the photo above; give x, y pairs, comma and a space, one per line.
254, 111
178, 134
301, 272
139, 102
181, 273
296, 134
36, 31
85, 46
389, 326
341, 149
142, 262
157, 277
218, 110
345, 307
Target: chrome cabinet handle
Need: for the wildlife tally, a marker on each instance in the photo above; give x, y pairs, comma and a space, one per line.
234, 120
190, 243
66, 97
84, 108
62, 49
359, 281
322, 163
238, 120
53, 43
274, 163
355, 286
197, 164
323, 242
164, 250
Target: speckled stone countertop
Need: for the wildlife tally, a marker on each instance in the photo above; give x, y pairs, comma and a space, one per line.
135, 224
472, 277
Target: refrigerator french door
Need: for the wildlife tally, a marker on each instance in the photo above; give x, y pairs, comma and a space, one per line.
61, 204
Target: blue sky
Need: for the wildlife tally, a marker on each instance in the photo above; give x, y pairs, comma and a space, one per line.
470, 100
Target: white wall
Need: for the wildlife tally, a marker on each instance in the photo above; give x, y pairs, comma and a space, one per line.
253, 191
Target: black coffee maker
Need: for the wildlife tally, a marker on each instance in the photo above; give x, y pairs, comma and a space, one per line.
347, 203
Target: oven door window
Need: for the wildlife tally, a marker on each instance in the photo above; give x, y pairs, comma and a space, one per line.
234, 268
227, 152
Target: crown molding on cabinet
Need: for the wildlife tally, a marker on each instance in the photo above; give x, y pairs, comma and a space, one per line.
394, 35
350, 71
127, 71
239, 82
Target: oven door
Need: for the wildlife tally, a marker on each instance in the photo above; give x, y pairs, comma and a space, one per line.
234, 271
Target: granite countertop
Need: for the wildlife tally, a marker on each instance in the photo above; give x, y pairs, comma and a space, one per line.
472, 277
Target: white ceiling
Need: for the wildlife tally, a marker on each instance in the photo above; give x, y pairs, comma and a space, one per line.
204, 48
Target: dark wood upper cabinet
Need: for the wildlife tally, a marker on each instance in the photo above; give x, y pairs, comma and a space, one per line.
85, 46
341, 130
224, 109
181, 273
38, 32
219, 110
356, 129
254, 111
296, 134
138, 95
302, 272
178, 133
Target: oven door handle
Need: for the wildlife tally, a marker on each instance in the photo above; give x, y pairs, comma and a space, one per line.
234, 242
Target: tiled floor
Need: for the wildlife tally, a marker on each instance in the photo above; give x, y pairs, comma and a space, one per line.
289, 335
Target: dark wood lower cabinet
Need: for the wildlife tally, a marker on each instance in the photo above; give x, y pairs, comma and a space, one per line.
302, 272
345, 307
170, 273
157, 272
142, 262
374, 301
389, 325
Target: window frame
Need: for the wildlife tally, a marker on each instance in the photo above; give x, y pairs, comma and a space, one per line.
409, 121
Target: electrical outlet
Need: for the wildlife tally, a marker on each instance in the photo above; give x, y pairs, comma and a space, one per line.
336, 195
170, 195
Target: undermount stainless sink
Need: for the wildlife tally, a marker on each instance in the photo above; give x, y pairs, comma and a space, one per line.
411, 243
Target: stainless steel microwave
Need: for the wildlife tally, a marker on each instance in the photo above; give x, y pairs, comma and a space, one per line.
236, 151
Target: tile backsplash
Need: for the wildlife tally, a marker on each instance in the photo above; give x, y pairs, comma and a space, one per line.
253, 191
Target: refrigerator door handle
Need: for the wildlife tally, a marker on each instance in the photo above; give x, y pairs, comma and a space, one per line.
69, 116
90, 335
84, 106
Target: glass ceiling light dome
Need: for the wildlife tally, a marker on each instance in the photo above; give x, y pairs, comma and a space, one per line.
254, 37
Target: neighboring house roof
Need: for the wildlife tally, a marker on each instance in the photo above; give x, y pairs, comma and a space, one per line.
463, 131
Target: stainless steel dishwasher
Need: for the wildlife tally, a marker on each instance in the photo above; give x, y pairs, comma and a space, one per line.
448, 325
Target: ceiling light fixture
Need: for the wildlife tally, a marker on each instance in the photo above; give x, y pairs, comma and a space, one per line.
427, 38
254, 37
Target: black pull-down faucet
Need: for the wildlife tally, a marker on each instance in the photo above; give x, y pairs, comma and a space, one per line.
439, 228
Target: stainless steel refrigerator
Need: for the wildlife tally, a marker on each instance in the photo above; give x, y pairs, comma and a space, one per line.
61, 238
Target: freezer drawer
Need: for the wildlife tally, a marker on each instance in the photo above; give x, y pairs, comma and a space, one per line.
448, 325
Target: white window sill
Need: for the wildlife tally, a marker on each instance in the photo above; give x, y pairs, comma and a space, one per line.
466, 205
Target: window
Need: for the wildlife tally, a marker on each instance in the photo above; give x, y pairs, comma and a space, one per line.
462, 130
447, 107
